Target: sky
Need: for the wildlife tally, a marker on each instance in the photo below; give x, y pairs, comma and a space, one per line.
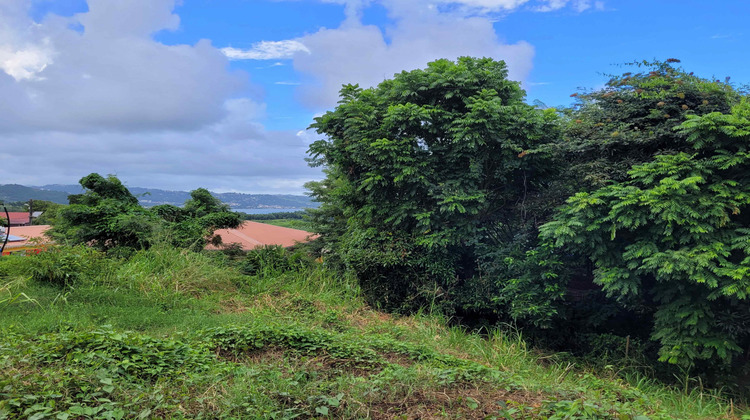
182, 94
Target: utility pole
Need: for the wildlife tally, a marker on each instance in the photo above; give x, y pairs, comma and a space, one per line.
31, 212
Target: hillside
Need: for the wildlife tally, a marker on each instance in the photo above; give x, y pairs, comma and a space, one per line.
148, 197
13, 192
184, 335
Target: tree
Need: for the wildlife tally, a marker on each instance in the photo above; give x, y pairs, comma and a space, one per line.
608, 132
108, 217
425, 173
632, 119
105, 216
49, 211
675, 237
193, 225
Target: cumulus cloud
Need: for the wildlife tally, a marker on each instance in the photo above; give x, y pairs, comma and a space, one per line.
233, 154
367, 55
97, 93
112, 75
266, 50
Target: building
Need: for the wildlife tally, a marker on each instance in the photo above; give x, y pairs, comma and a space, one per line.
20, 218
17, 218
253, 234
25, 240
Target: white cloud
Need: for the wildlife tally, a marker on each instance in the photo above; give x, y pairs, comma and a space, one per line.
113, 75
488, 5
236, 153
111, 99
354, 8
27, 62
267, 50
367, 55
577, 5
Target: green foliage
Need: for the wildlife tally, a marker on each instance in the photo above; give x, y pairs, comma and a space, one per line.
49, 212
527, 288
106, 216
193, 225
93, 370
632, 119
423, 171
675, 236
65, 266
298, 344
292, 215
272, 260
300, 224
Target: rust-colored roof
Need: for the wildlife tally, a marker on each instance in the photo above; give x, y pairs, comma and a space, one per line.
253, 234
16, 217
28, 232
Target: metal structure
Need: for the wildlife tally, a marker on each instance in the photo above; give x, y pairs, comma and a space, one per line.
7, 231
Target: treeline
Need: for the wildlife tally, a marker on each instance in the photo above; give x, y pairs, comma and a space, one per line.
108, 217
617, 227
293, 215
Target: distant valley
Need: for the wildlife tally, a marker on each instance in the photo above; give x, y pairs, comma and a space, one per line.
151, 197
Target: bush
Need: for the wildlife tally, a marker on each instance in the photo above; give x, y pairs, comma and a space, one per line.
65, 266
272, 260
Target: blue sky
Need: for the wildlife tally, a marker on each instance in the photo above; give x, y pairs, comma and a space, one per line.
218, 93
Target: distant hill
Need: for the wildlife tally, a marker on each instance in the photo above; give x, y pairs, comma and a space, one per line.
14, 192
151, 197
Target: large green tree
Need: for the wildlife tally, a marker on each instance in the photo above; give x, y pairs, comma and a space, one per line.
105, 216
632, 119
606, 133
194, 224
426, 173
675, 237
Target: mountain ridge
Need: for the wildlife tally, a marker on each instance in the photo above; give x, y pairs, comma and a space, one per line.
148, 197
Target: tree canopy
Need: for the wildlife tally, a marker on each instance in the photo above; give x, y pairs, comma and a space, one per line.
439, 181
676, 235
108, 217
425, 171
105, 216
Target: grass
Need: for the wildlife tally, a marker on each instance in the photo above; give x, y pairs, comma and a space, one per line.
184, 335
300, 224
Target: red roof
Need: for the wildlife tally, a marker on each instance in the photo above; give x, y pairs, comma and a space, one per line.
16, 217
253, 234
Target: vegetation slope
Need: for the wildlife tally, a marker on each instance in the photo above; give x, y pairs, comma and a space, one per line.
170, 333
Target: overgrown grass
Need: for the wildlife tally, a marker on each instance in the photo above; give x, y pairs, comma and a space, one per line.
176, 334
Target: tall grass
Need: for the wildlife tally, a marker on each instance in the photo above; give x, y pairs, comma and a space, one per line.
165, 270
311, 331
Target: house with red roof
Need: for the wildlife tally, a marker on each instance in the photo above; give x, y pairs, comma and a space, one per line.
17, 218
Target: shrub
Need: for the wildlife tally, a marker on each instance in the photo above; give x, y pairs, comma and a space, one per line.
64, 266
272, 260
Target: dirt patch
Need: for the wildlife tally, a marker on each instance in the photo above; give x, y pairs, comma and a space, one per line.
452, 403
398, 359
364, 317
291, 361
